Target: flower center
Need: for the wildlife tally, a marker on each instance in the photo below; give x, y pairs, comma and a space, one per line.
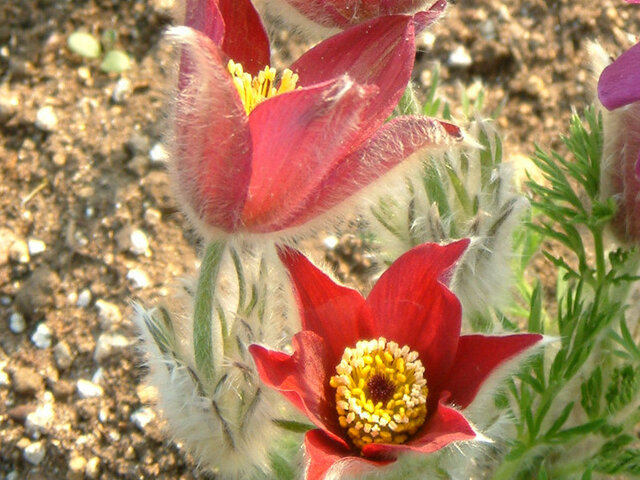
381, 392
254, 90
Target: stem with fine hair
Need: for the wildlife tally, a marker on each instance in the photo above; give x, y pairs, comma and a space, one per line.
204, 345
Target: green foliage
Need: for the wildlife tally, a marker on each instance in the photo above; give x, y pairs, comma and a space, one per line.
88, 46
84, 44
584, 393
115, 61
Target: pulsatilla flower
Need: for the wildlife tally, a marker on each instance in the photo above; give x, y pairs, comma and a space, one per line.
386, 374
254, 152
619, 92
341, 14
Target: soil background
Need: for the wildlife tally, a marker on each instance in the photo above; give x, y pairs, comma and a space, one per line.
88, 224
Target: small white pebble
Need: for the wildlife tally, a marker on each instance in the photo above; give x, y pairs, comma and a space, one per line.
17, 323
41, 338
152, 216
108, 314
93, 468
46, 119
141, 418
158, 154
19, 252
138, 278
139, 243
41, 418
34, 453
426, 40
122, 90
62, 355
5, 380
98, 376
330, 242
84, 73
88, 389
84, 298
460, 57
36, 246
108, 343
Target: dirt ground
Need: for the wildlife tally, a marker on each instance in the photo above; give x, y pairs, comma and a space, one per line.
87, 222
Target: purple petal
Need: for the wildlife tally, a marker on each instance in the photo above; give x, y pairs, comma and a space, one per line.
619, 82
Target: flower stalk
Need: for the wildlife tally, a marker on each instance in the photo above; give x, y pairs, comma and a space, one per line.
208, 335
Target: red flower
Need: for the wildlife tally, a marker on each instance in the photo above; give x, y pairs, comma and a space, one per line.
345, 13
414, 321
248, 159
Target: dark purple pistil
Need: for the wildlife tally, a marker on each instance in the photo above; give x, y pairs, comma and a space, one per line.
380, 389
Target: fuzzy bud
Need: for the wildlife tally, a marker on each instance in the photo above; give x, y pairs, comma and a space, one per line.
224, 416
464, 192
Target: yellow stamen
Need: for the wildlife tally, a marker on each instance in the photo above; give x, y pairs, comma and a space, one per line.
381, 393
253, 90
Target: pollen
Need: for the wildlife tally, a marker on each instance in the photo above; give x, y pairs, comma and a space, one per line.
381, 392
254, 90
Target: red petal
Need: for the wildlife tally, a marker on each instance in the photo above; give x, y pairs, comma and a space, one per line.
211, 167
395, 142
427, 17
302, 379
412, 306
380, 52
205, 16
324, 452
443, 427
619, 83
477, 357
297, 138
245, 39
337, 314
345, 13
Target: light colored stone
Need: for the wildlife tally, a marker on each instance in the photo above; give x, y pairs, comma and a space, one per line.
41, 338
92, 471
141, 417
108, 314
7, 238
17, 323
84, 298
5, 380
88, 389
19, 252
77, 467
62, 355
34, 453
108, 343
122, 90
147, 394
139, 243
41, 419
36, 246
152, 216
460, 57
138, 278
426, 40
158, 154
330, 242
46, 119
